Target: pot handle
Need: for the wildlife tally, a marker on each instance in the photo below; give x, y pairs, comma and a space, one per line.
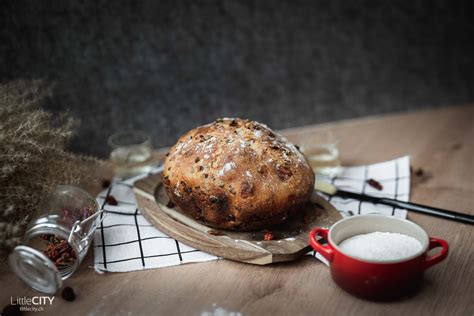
326, 251
437, 258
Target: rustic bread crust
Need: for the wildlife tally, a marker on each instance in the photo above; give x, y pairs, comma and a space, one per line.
237, 174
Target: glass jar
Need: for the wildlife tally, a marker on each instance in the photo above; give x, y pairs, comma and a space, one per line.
321, 150
56, 239
131, 152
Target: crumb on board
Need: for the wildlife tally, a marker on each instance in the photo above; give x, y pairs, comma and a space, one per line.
214, 232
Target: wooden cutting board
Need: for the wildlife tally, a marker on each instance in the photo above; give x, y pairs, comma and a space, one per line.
291, 237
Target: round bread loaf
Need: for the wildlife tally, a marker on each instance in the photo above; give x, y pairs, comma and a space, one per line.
237, 174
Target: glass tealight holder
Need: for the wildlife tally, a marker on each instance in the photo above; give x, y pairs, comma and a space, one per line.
130, 152
56, 239
322, 152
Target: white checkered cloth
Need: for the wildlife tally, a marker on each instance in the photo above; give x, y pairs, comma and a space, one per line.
126, 241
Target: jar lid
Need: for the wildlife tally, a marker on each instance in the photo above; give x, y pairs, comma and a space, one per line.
35, 269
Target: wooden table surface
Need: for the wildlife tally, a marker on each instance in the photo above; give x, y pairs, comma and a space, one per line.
440, 141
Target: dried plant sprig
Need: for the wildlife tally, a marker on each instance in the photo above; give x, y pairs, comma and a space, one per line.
33, 159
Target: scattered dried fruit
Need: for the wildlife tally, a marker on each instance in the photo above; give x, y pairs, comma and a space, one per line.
111, 200
68, 294
59, 251
267, 236
57, 248
375, 184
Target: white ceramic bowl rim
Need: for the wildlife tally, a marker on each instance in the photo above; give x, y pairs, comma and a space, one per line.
424, 241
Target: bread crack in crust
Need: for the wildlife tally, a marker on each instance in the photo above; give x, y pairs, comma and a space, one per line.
237, 174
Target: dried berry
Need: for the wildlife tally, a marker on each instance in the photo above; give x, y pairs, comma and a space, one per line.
375, 184
11, 310
246, 189
283, 172
111, 200
197, 159
419, 172
170, 204
105, 183
68, 294
186, 187
59, 251
267, 236
221, 202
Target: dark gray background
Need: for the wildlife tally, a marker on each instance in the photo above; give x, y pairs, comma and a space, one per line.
167, 66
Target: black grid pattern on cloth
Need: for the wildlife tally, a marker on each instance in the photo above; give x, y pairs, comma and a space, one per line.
126, 216
352, 184
138, 235
123, 205
151, 256
396, 185
364, 184
104, 255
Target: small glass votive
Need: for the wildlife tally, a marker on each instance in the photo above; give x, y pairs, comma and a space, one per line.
131, 152
322, 152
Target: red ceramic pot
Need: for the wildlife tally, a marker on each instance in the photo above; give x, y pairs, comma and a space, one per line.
371, 279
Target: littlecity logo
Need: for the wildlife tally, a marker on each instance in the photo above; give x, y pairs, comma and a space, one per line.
32, 304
